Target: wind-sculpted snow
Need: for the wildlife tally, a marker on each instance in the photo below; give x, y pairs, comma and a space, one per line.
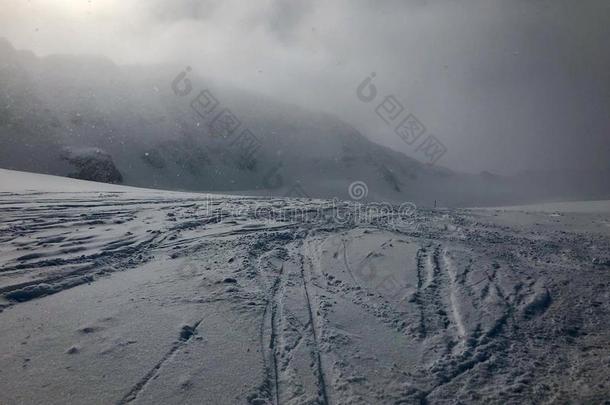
134, 296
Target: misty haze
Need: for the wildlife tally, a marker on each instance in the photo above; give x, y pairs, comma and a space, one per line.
304, 202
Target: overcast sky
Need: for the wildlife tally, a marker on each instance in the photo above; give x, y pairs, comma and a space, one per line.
506, 85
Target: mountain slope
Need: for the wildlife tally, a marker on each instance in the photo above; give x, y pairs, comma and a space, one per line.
88, 118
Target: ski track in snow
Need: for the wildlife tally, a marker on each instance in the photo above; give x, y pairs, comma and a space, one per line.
471, 306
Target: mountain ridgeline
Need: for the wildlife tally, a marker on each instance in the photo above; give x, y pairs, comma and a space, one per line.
161, 127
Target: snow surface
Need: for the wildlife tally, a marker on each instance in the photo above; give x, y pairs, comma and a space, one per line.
120, 295
571, 206
14, 181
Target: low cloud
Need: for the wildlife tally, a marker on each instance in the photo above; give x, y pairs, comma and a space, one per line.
505, 85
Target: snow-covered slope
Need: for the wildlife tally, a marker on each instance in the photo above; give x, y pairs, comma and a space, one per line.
121, 295
12, 181
602, 206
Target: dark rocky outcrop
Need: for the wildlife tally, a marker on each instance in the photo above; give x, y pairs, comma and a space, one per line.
93, 165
